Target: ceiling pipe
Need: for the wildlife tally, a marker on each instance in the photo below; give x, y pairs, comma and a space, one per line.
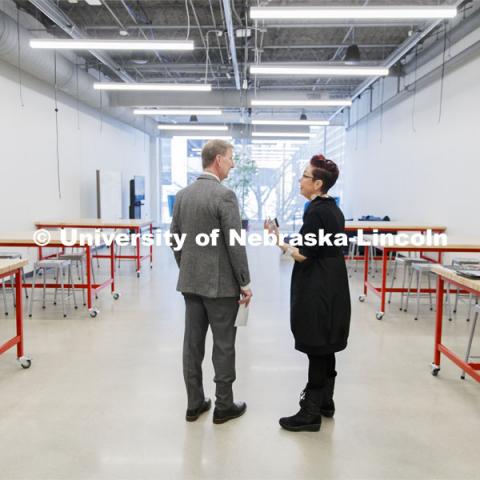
231, 39
70, 78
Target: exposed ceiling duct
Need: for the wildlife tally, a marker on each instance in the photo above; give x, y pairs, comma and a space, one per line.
40, 64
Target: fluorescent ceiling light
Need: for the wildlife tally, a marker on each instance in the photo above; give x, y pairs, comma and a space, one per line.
279, 142
282, 134
341, 70
205, 137
83, 44
155, 111
159, 87
301, 103
305, 123
352, 13
94, 3
205, 128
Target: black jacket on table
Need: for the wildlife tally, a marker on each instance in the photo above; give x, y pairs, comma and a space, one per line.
320, 295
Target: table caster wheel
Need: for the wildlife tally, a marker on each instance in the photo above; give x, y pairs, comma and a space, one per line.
379, 315
435, 369
361, 298
25, 362
94, 312
138, 274
116, 295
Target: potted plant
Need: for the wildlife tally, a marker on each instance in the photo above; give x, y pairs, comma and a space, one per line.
241, 182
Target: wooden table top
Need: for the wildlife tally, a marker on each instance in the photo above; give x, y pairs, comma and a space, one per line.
451, 275
413, 227
450, 247
26, 238
94, 223
9, 265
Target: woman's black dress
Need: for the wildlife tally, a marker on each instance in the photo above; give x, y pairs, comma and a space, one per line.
319, 295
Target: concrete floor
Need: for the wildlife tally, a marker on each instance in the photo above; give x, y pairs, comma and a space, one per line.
104, 398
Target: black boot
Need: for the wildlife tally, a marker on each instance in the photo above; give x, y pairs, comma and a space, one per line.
308, 418
328, 405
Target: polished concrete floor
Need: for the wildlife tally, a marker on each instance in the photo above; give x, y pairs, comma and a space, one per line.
104, 398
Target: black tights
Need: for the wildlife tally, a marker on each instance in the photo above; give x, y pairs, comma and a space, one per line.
320, 368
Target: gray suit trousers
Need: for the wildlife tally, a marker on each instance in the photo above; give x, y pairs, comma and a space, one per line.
220, 314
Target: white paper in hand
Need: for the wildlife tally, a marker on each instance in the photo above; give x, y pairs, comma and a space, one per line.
242, 316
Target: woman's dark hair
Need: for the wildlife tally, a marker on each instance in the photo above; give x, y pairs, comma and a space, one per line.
324, 170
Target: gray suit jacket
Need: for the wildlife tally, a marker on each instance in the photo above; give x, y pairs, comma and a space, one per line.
210, 271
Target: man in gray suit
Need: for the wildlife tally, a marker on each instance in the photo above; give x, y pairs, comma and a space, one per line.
212, 279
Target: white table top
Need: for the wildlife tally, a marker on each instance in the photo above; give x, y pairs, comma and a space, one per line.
451, 275
26, 238
10, 265
413, 227
94, 223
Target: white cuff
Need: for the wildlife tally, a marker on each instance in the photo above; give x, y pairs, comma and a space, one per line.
246, 287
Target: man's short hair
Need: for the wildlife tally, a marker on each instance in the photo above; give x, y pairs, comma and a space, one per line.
213, 148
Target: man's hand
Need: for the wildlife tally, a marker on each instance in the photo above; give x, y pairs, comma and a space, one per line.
246, 295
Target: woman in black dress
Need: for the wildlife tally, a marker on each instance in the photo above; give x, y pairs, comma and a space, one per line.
319, 296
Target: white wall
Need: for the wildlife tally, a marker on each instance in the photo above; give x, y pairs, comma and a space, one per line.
420, 169
28, 173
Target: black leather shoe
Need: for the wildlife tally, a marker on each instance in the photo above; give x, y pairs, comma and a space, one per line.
194, 413
222, 416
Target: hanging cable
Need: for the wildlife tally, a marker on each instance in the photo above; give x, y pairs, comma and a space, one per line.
20, 89
77, 96
101, 99
442, 78
56, 122
382, 91
144, 134
188, 19
414, 88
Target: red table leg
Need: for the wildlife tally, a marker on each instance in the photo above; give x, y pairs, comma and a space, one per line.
137, 231
438, 326
89, 277
384, 284
365, 270
112, 265
19, 314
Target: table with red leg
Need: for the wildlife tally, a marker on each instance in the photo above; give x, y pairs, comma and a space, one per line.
27, 239
382, 290
446, 275
136, 226
369, 228
9, 268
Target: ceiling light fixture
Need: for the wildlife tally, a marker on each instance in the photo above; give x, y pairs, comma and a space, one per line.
158, 87
301, 103
353, 13
280, 143
205, 128
205, 137
155, 111
83, 44
94, 3
352, 54
304, 122
303, 116
193, 118
282, 134
340, 70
